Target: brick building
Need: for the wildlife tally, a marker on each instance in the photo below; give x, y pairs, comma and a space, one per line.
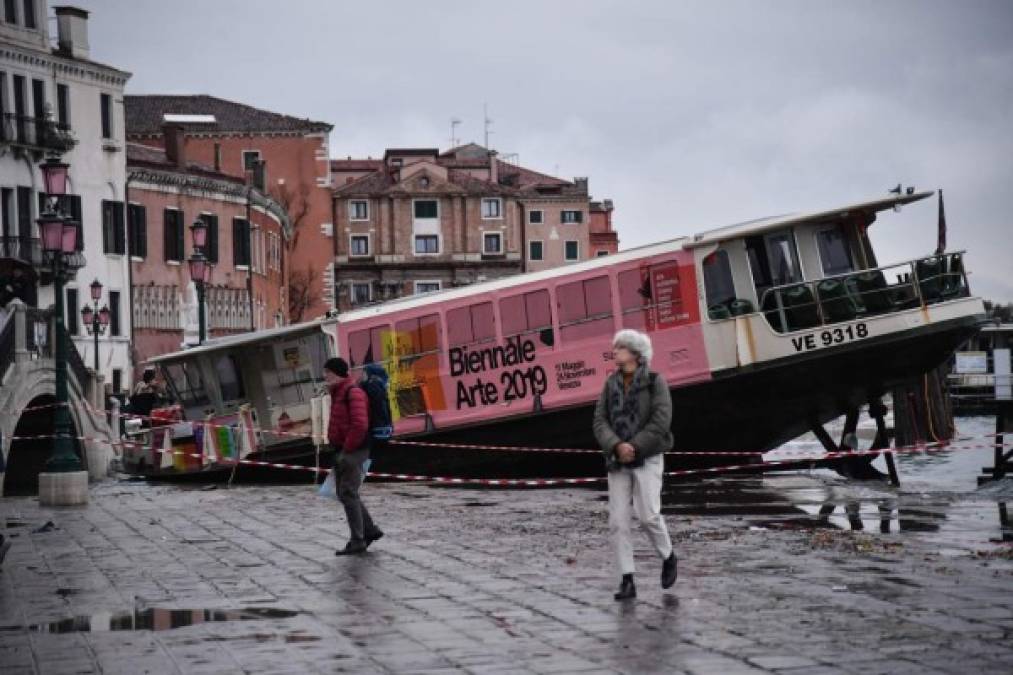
604, 240
418, 221
166, 192
286, 156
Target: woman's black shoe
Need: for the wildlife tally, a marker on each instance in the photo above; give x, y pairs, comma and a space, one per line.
669, 571
370, 538
627, 589
352, 548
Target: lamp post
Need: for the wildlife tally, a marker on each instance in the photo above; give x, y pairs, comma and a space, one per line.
59, 241
95, 320
200, 273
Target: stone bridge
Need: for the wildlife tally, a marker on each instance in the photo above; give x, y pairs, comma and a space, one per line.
27, 395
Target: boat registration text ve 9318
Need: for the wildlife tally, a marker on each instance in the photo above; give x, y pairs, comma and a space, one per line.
830, 337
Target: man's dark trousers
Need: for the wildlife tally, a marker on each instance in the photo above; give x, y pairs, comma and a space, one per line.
348, 477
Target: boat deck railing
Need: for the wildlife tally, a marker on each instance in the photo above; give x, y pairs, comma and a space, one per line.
869, 292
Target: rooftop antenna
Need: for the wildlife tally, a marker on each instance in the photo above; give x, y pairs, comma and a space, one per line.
488, 123
453, 131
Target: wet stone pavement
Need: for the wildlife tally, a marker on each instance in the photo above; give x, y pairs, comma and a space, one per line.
789, 574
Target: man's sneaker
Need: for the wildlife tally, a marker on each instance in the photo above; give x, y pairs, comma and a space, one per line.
352, 548
669, 571
370, 538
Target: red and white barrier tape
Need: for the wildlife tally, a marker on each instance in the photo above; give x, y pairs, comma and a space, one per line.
539, 482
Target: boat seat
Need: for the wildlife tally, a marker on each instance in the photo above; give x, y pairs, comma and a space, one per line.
874, 292
835, 301
799, 307
740, 307
930, 279
718, 312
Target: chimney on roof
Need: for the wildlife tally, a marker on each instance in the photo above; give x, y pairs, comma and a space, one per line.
581, 184
72, 31
175, 144
493, 167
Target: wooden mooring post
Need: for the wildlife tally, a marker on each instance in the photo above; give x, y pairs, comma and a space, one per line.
1003, 459
922, 410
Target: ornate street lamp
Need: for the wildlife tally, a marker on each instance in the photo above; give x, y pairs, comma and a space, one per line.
94, 319
59, 241
200, 273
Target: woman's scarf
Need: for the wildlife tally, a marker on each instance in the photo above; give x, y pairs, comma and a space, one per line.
624, 406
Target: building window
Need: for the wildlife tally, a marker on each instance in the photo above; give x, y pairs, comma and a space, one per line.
114, 313
358, 209
426, 287
492, 208
602, 254
250, 159
174, 235
117, 380
361, 293
427, 208
63, 106
536, 217
211, 248
492, 243
72, 309
358, 245
572, 250
566, 217
240, 242
535, 250
30, 20
113, 228
427, 244
106, 103
11, 12
137, 230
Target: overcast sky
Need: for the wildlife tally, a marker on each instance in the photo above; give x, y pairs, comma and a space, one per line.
688, 115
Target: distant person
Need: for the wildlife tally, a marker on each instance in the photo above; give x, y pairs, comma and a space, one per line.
147, 393
632, 423
348, 434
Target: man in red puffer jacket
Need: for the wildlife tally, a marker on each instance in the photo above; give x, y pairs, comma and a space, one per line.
348, 434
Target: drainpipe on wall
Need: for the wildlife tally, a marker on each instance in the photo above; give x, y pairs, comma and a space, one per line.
524, 237
130, 277
249, 268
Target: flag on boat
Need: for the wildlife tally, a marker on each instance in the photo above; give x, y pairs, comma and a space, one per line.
208, 437
165, 461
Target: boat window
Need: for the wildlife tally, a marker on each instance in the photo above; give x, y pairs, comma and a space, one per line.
585, 309
188, 384
469, 325
717, 278
418, 336
784, 267
834, 252
229, 379
366, 346
634, 298
527, 313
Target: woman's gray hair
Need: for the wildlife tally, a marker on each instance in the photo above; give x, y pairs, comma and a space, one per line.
637, 342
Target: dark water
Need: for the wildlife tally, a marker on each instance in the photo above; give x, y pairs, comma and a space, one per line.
153, 619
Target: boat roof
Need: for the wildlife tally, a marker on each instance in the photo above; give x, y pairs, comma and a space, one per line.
241, 339
758, 226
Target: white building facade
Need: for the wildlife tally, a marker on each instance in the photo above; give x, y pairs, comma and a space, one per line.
85, 100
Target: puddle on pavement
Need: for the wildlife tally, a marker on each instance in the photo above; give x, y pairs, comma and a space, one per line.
154, 619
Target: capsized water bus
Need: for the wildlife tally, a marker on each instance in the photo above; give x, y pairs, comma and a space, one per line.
763, 330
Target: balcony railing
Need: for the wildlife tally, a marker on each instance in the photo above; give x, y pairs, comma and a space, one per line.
35, 133
26, 249
846, 297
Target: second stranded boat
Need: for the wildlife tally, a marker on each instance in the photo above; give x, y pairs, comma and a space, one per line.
763, 330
